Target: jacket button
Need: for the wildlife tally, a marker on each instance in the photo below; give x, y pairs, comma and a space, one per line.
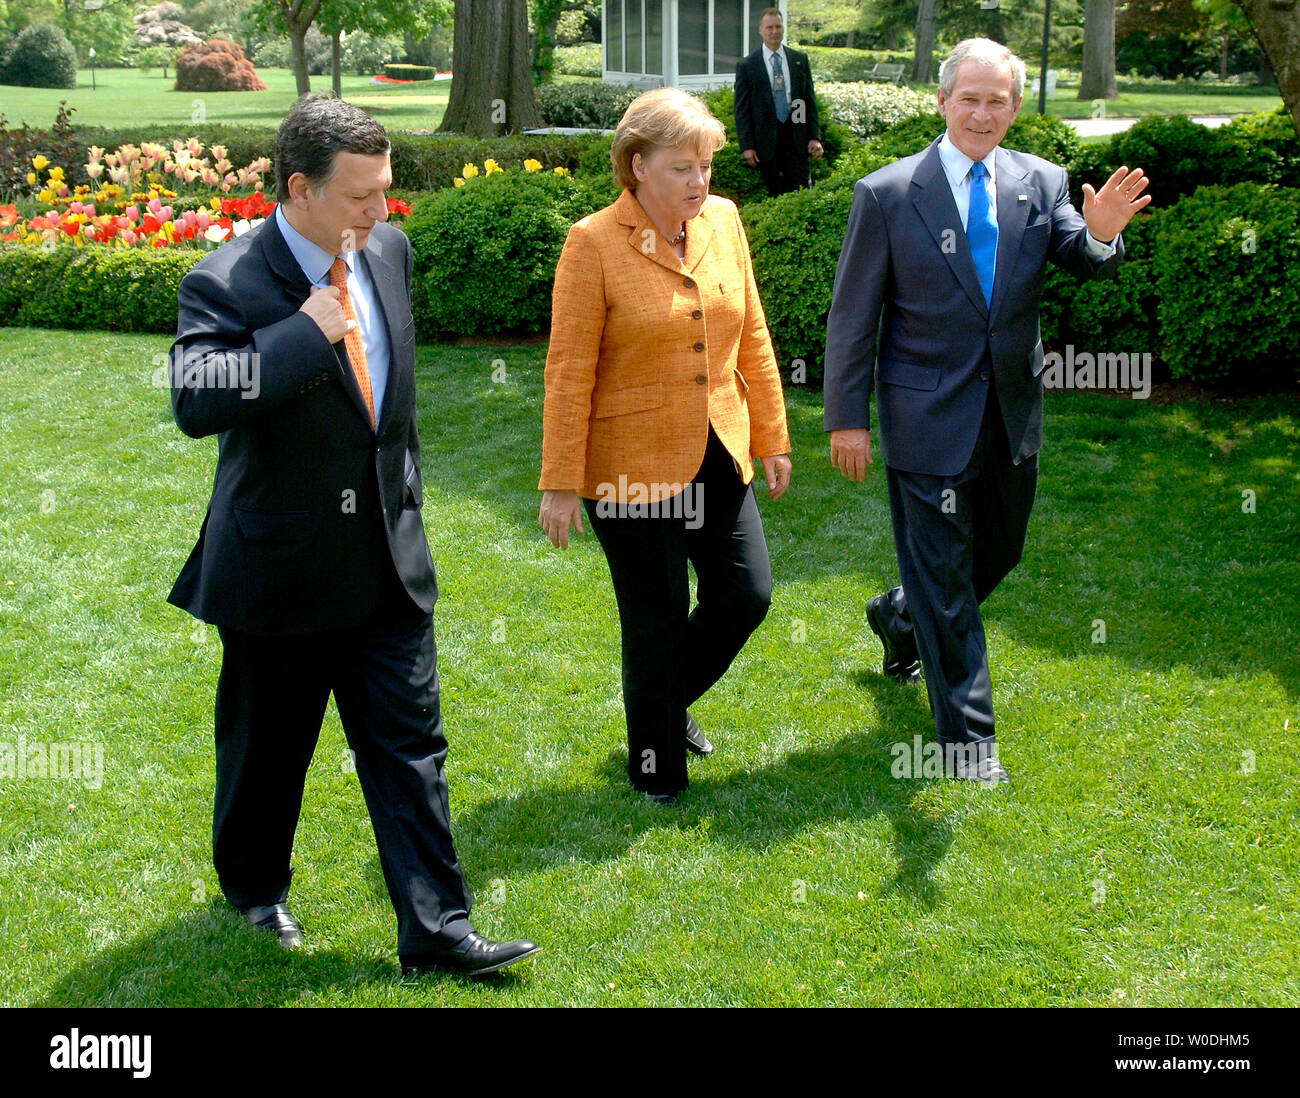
697, 313
701, 379
689, 283
699, 346
983, 376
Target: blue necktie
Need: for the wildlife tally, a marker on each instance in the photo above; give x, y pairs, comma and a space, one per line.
778, 89
982, 231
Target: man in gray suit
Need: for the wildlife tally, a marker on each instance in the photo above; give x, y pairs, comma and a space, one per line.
936, 308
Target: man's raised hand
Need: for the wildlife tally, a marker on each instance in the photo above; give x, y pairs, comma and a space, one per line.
1108, 210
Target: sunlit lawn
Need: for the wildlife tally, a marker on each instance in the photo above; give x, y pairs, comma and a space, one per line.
1146, 853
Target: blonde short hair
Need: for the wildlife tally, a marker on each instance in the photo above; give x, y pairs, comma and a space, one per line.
665, 118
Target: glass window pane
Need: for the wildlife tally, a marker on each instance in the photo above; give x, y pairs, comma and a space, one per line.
728, 34
633, 38
755, 10
654, 37
614, 35
693, 37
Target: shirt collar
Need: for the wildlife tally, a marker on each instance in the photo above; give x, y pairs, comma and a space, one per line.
767, 54
957, 165
314, 260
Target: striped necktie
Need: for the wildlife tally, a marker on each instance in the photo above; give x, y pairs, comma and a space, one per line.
352, 341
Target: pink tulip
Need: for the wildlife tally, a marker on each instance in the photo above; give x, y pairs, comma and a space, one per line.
165, 214
204, 220
132, 213
75, 208
88, 210
155, 205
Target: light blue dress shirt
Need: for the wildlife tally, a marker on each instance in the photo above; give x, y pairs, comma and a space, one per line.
957, 166
315, 262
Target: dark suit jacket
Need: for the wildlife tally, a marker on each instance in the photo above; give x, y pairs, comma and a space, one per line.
909, 317
756, 114
310, 507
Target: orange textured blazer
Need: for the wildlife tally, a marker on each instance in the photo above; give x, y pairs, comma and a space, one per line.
648, 349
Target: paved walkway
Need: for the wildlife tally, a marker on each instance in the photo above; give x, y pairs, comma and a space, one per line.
1092, 127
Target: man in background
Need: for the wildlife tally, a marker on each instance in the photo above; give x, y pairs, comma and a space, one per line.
776, 111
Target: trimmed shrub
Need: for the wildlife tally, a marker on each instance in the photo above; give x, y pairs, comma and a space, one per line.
1180, 154
216, 65
586, 104
1229, 286
116, 289
1118, 313
410, 72
429, 162
1270, 144
795, 241
579, 60
869, 109
40, 56
485, 253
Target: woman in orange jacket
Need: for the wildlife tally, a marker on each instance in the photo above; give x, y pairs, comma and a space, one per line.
661, 391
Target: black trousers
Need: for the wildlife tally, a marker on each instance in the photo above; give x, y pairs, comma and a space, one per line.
672, 654
957, 538
271, 698
788, 170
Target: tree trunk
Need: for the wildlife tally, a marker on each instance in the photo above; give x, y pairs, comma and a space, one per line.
1098, 78
923, 61
336, 63
492, 77
298, 42
1277, 26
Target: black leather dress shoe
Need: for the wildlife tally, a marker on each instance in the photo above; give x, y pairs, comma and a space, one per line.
661, 798
901, 661
473, 955
695, 739
278, 919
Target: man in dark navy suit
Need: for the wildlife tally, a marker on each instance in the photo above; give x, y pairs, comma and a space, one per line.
935, 309
776, 111
295, 344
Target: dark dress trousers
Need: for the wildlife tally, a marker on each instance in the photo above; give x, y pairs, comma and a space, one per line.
958, 389
313, 563
782, 147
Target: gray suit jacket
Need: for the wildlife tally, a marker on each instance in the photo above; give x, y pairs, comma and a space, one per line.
908, 317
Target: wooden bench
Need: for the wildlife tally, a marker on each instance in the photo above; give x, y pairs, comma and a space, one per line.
892, 74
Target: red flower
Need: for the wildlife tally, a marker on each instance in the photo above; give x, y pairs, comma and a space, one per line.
150, 225
397, 206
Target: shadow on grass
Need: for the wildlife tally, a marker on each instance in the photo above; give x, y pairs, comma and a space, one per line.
212, 959
759, 809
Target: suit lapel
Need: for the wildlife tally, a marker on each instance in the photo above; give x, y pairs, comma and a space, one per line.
385, 280
646, 239
934, 202
1013, 215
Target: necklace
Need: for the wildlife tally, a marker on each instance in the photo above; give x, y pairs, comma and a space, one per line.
679, 238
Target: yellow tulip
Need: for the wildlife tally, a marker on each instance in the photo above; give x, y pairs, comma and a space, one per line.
31, 177
531, 165
469, 171
458, 181
39, 161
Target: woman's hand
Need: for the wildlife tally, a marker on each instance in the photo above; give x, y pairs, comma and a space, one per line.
558, 511
777, 470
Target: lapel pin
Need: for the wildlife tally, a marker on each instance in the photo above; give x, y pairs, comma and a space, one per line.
1022, 198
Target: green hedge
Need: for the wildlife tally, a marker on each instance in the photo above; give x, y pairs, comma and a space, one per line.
115, 289
585, 103
485, 253
1229, 284
409, 72
580, 60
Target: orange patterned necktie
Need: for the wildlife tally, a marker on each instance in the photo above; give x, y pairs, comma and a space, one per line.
352, 341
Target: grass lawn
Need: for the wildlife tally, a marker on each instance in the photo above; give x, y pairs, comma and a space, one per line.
127, 96
1145, 854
